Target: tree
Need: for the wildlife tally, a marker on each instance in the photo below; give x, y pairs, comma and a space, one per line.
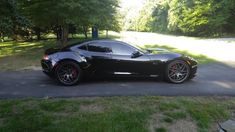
57, 14
60, 14
188, 17
109, 17
159, 20
102, 14
199, 18
12, 23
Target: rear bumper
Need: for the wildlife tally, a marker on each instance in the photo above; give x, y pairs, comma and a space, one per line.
47, 67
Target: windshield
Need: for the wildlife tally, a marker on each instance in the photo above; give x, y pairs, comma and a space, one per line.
141, 49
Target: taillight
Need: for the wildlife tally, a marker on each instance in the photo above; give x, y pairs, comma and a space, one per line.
45, 57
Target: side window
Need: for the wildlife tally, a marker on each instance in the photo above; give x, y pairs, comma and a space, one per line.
121, 49
98, 47
83, 47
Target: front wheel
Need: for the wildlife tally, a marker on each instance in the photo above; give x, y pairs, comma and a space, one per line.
68, 73
177, 71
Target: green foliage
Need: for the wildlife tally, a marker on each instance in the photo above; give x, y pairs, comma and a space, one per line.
34, 17
12, 23
188, 17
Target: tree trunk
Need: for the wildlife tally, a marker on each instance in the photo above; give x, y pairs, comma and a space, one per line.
1, 37
85, 31
38, 34
14, 35
64, 35
95, 32
107, 33
58, 33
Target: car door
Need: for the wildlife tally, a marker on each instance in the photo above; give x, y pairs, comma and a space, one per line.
98, 56
125, 63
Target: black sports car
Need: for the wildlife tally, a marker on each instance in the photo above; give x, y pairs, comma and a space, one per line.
108, 57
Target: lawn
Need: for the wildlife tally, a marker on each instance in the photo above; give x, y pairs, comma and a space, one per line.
202, 59
17, 55
120, 114
20, 55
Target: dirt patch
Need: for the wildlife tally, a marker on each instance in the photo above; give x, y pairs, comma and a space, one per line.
18, 63
94, 108
34, 68
155, 122
181, 125
214, 127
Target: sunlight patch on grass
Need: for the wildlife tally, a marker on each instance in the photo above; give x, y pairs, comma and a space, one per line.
17, 55
202, 59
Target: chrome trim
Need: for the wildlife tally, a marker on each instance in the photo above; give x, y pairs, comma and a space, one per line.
153, 75
123, 73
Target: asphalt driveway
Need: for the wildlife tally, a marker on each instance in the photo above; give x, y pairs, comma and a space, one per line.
216, 79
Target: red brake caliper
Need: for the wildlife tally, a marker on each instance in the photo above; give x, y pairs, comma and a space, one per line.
174, 68
74, 73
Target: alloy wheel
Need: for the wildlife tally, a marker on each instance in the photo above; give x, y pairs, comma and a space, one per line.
178, 71
67, 74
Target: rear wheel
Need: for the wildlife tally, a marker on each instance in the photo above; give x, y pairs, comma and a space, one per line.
177, 71
68, 73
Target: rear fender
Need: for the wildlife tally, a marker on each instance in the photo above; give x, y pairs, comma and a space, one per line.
71, 56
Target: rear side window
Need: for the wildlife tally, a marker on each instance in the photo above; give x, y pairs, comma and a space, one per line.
83, 47
99, 47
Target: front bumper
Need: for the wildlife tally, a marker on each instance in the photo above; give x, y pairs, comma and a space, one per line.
193, 71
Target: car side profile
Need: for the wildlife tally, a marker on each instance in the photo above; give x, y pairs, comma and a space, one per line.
109, 57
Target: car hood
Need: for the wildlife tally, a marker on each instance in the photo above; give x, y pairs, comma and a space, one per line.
164, 56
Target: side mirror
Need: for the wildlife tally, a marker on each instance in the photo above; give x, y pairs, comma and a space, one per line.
136, 54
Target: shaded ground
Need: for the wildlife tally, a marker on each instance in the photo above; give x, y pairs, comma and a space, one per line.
212, 79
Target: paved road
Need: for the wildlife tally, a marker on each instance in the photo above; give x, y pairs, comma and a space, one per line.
213, 79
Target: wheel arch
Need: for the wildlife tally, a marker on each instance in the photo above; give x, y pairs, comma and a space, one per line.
176, 59
68, 61
65, 60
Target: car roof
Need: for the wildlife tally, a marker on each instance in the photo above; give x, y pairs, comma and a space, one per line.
104, 40
94, 41
87, 41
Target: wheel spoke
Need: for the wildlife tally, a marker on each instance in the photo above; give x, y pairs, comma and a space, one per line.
171, 75
67, 73
178, 71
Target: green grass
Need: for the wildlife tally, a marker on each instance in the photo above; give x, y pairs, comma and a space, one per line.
17, 55
132, 114
162, 129
202, 59
176, 115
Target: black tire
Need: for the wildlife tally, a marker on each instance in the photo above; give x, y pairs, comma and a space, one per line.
68, 73
177, 71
